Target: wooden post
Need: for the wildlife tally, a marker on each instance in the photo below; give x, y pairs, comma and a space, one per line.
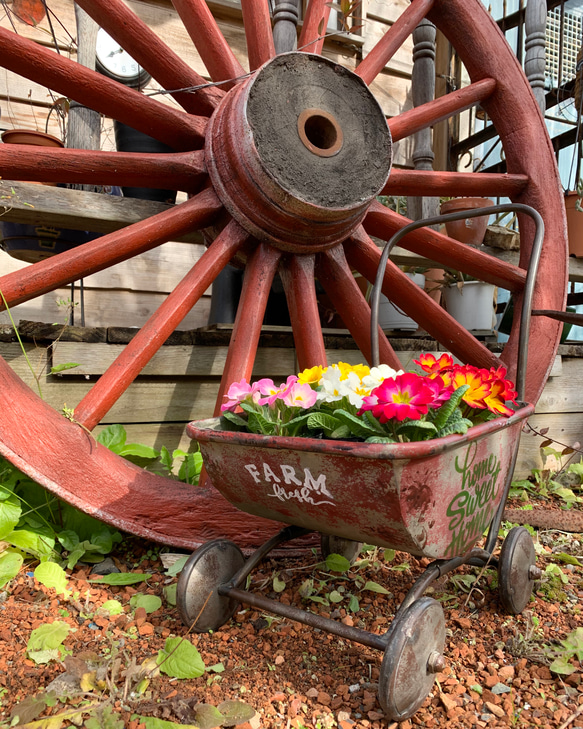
423, 90
84, 125
534, 59
285, 21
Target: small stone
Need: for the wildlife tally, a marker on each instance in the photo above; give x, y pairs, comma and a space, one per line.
106, 567
348, 621
500, 688
354, 688
279, 660
324, 698
343, 716
375, 715
506, 672
312, 693
345, 724
146, 629
496, 710
448, 704
491, 680
280, 696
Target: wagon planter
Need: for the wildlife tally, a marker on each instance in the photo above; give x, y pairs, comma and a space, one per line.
432, 499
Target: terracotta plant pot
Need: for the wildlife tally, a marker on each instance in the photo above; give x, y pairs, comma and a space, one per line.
34, 139
470, 230
574, 225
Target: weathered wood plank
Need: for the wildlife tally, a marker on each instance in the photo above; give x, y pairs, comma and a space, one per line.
160, 269
104, 307
566, 428
179, 361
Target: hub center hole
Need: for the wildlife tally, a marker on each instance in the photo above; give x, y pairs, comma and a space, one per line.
320, 132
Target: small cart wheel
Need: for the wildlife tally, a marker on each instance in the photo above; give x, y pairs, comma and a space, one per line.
329, 544
517, 570
413, 656
197, 598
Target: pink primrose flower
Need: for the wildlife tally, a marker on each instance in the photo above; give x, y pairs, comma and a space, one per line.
299, 395
442, 391
237, 393
405, 396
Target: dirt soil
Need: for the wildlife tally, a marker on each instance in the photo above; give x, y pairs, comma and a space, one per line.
497, 672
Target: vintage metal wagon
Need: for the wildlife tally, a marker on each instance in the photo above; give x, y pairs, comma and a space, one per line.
434, 499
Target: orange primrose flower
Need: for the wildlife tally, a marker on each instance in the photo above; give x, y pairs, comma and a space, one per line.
479, 386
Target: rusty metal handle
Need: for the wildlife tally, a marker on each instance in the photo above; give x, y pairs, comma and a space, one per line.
528, 289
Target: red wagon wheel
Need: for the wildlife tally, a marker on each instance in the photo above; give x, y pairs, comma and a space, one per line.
283, 166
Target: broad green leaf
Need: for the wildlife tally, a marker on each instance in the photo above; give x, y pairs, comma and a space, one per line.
150, 603
318, 599
341, 432
139, 450
353, 604
122, 578
337, 563
180, 659
358, 427
104, 718
28, 709
10, 511
259, 424
69, 539
48, 636
113, 607
56, 721
235, 419
389, 555
235, 712
208, 716
306, 588
335, 596
52, 575
62, 367
417, 429
190, 468
447, 409
177, 566
375, 587
166, 458
113, 437
455, 427
104, 538
45, 656
217, 668
380, 439
170, 594
323, 421
10, 564
278, 585
562, 666
37, 545
566, 558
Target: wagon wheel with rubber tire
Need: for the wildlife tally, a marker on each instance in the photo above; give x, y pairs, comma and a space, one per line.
298, 200
198, 602
517, 570
413, 655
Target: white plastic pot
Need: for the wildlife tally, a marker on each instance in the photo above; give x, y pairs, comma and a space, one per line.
472, 305
391, 317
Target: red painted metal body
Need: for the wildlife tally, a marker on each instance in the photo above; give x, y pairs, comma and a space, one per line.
434, 498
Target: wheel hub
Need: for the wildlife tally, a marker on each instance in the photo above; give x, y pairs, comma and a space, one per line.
298, 151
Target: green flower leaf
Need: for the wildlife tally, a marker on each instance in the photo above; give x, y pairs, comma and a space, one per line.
208, 716
10, 511
180, 659
337, 563
357, 426
375, 587
139, 450
150, 722
48, 636
53, 576
113, 607
62, 367
234, 419
38, 545
177, 567
113, 437
10, 564
235, 712
323, 421
380, 439
562, 666
417, 429
170, 594
150, 603
122, 578
335, 596
443, 414
278, 585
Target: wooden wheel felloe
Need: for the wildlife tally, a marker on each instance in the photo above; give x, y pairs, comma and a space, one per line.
298, 201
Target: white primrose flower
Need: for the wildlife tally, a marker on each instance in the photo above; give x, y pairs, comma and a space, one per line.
332, 388
378, 375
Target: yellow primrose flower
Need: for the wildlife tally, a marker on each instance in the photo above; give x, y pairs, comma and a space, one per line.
311, 376
359, 370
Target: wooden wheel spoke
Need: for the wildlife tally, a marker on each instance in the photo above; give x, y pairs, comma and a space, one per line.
336, 277
314, 28
297, 275
260, 46
383, 223
171, 126
210, 43
363, 255
435, 111
153, 54
121, 373
98, 254
259, 273
454, 184
393, 39
178, 171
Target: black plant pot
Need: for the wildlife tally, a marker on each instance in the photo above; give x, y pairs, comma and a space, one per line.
128, 139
